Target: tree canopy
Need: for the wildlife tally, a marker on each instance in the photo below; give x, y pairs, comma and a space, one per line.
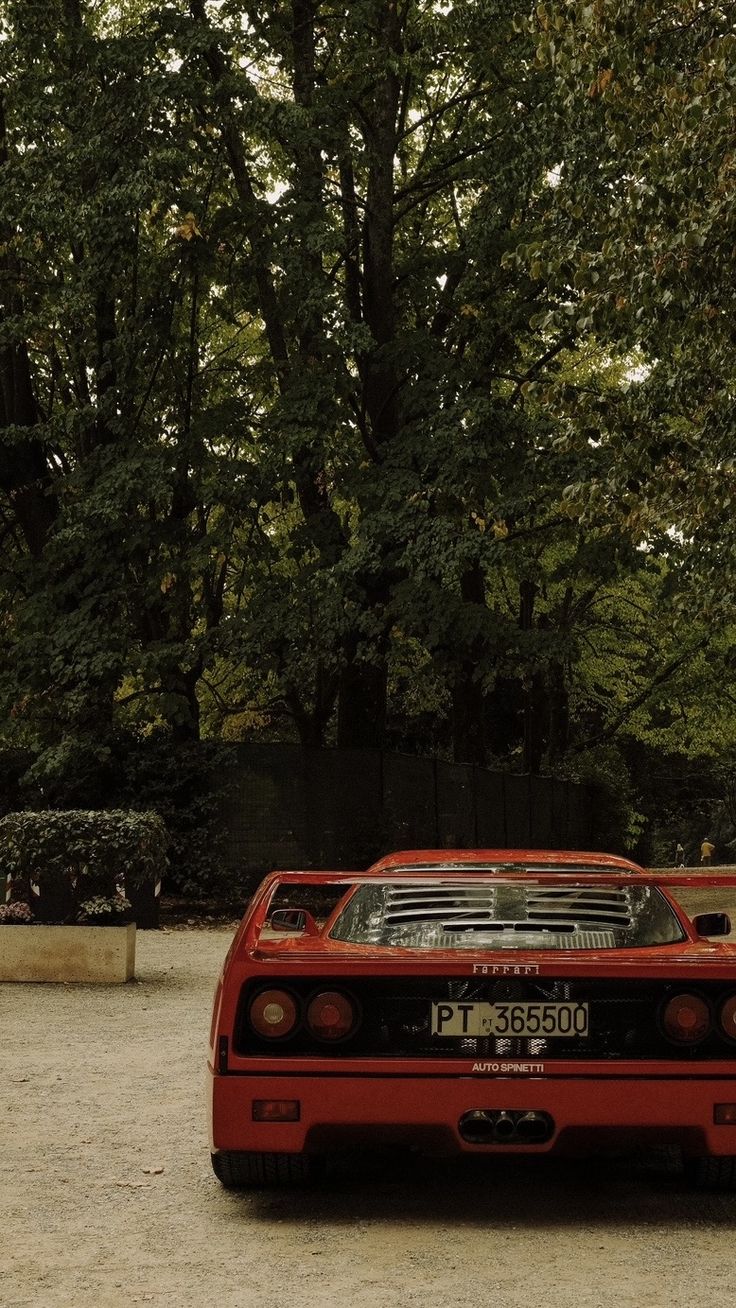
365, 379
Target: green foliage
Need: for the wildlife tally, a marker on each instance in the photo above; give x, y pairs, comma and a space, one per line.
642, 223
365, 378
78, 865
187, 788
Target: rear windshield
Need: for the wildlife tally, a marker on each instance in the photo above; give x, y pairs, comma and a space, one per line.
504, 915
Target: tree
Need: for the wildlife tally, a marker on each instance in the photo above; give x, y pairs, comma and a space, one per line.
404, 157
130, 420
334, 342
644, 227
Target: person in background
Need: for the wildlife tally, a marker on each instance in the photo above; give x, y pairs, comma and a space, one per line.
706, 850
679, 854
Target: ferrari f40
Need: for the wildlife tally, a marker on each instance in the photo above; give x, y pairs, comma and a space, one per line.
482, 1001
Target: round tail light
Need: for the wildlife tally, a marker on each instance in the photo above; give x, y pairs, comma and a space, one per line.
727, 1017
331, 1015
273, 1014
686, 1019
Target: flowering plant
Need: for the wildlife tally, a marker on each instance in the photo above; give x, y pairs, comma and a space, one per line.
103, 909
15, 912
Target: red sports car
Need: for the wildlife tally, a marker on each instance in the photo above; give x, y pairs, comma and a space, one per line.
484, 1001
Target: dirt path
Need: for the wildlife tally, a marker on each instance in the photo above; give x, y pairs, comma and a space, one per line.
102, 1084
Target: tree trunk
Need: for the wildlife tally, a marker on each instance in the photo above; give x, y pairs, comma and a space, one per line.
559, 714
468, 698
363, 687
184, 721
361, 721
24, 473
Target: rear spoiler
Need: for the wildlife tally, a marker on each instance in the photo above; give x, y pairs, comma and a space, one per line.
614, 877
693, 880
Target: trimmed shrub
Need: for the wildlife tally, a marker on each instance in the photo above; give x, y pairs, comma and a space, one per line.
186, 784
79, 866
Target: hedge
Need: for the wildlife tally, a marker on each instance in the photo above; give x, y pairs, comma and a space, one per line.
73, 865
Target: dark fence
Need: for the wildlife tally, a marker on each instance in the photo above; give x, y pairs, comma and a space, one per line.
288, 807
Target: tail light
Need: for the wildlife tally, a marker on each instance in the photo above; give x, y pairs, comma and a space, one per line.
686, 1019
727, 1017
273, 1014
331, 1015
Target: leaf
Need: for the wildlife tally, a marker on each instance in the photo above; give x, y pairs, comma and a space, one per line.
188, 229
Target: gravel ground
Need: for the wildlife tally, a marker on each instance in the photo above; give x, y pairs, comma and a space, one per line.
107, 1197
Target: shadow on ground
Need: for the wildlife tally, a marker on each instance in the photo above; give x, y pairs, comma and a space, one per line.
605, 1192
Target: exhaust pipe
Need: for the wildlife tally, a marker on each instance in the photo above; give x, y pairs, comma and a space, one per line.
478, 1127
534, 1128
505, 1128
489, 1126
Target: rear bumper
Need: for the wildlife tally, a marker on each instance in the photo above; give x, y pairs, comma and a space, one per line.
425, 1111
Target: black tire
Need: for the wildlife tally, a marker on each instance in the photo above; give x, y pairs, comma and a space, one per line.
711, 1173
237, 1171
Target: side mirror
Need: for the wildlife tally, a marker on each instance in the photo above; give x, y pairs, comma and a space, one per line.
712, 924
293, 919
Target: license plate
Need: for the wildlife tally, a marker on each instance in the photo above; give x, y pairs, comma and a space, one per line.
545, 1021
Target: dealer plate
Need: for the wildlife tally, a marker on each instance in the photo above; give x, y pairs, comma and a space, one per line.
545, 1021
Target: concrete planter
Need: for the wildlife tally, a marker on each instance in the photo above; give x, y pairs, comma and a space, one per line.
67, 953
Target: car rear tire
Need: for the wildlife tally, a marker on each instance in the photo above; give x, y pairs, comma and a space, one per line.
238, 1171
711, 1173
